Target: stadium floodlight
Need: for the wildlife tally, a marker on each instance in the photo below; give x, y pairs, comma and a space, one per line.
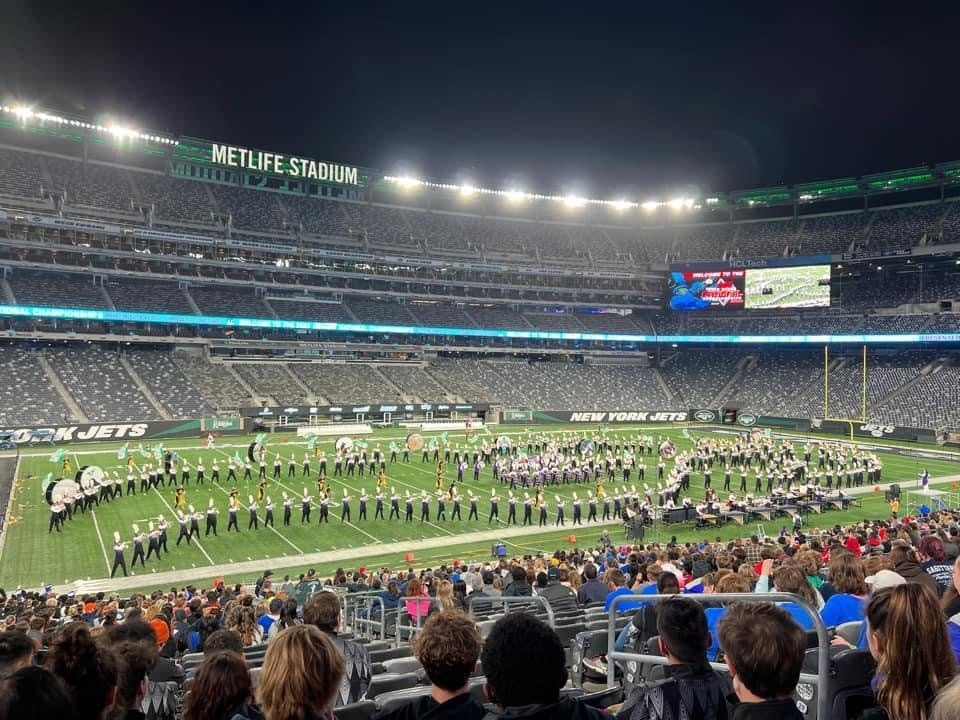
467, 190
22, 112
650, 205
119, 131
515, 195
573, 201
621, 204
408, 182
676, 203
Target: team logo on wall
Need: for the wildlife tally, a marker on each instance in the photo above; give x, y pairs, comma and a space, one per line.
705, 415
667, 449
747, 419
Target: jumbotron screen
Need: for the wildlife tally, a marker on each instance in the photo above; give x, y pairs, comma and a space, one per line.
751, 289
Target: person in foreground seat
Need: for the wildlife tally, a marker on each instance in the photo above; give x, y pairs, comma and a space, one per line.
764, 650
691, 689
524, 663
448, 648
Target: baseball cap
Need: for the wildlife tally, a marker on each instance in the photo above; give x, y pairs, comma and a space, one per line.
885, 579
553, 573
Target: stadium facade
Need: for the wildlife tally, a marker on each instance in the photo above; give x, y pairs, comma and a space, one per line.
204, 277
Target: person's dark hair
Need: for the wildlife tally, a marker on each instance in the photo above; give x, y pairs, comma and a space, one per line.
590, 571
448, 647
135, 660
133, 630
519, 574
220, 686
87, 669
322, 611
667, 583
524, 662
36, 693
764, 648
223, 641
15, 648
682, 625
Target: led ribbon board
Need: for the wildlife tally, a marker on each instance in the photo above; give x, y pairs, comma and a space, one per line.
55, 313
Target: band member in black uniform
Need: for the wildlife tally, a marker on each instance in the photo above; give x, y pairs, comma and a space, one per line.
424, 507
527, 509
394, 504
200, 475
543, 512
215, 472
743, 478
441, 506
138, 538
305, 508
268, 518
306, 465
184, 523
408, 507
212, 513
287, 509
591, 507
472, 515
494, 507
726, 479
560, 504
323, 463
57, 509
194, 523
406, 453
248, 471
131, 483
232, 511
378, 509
324, 507
153, 540
118, 559
455, 499
606, 507
338, 464
162, 526
577, 511
277, 464
253, 521
362, 505
511, 510
292, 467
184, 473
262, 473
345, 507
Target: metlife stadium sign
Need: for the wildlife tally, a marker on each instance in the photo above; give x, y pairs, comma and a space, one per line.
277, 164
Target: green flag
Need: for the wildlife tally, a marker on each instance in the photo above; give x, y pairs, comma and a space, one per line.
237, 458
443, 438
362, 444
473, 440
394, 447
59, 455
312, 441
144, 452
260, 438
123, 452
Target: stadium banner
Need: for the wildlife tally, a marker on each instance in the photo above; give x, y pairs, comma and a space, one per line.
598, 416
874, 430
746, 263
99, 432
272, 164
346, 410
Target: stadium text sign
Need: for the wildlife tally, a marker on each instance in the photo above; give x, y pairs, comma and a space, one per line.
633, 416
276, 164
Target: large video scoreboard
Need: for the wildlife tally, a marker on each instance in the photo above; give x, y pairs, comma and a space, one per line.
774, 286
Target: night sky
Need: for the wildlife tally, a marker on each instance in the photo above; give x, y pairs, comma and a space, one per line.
598, 99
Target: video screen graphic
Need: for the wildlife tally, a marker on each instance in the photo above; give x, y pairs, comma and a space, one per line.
788, 287
698, 290
751, 289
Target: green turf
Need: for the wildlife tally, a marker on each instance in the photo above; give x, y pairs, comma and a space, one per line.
31, 556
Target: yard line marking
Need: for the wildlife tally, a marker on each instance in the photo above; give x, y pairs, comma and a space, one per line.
103, 547
174, 514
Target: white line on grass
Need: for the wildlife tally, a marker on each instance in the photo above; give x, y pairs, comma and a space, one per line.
174, 514
103, 548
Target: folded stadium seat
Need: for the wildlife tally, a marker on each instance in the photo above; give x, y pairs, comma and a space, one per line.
589, 644
390, 653
848, 686
191, 660
255, 676
390, 701
376, 645
568, 632
363, 710
388, 682
376, 668
850, 631
635, 671
402, 665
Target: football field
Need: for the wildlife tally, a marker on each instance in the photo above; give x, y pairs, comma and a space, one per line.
83, 551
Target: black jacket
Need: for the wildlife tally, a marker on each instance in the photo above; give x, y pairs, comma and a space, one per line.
769, 710
566, 709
